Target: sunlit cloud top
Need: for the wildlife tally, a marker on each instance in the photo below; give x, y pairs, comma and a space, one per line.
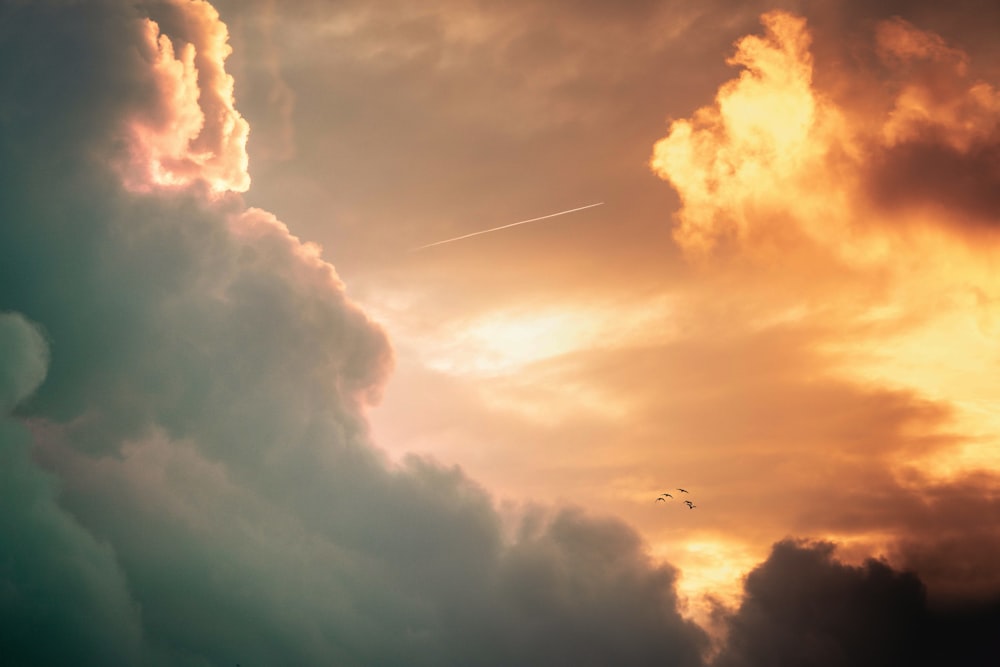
193, 131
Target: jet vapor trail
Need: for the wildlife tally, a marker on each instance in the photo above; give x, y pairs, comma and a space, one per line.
513, 224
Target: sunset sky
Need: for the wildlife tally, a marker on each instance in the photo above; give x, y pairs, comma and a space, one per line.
245, 421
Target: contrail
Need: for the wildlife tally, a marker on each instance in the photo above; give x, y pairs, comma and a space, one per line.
513, 224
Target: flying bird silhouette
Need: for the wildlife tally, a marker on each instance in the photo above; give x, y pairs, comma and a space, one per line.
662, 498
682, 490
691, 507
666, 494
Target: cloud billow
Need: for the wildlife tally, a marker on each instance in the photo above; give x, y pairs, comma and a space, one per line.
63, 597
193, 482
804, 607
187, 476
848, 172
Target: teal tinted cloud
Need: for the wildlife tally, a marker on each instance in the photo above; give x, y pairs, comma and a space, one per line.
193, 483
63, 598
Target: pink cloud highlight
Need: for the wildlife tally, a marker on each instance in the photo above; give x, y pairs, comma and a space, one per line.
193, 133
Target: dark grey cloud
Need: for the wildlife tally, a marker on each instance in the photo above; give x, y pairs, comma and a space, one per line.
804, 607
193, 482
63, 597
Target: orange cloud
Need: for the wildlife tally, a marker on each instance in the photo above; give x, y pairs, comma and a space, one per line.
193, 132
775, 156
768, 133
852, 227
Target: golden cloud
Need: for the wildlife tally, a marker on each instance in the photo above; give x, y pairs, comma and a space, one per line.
875, 228
194, 133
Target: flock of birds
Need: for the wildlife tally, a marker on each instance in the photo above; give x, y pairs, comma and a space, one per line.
663, 498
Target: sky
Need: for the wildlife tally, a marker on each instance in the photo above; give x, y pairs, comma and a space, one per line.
245, 420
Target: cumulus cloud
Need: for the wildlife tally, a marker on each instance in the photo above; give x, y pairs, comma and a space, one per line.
804, 607
193, 482
733, 162
193, 131
846, 199
778, 155
56, 579
188, 476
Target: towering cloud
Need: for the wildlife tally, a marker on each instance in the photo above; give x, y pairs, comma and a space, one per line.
779, 155
193, 131
733, 163
192, 482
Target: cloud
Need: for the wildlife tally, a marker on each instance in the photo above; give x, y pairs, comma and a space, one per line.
193, 483
923, 134
830, 343
731, 163
263, 85
25, 360
195, 473
803, 606
847, 203
56, 580
193, 132
941, 139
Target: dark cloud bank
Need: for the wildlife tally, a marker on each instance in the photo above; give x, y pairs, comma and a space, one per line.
185, 472
803, 607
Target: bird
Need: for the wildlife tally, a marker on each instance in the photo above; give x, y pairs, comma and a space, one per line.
682, 490
691, 507
661, 498
666, 494
688, 503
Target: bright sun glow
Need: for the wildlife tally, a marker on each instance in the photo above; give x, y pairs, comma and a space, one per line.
501, 342
711, 572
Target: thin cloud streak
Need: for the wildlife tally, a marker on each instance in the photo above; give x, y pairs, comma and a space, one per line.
513, 224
